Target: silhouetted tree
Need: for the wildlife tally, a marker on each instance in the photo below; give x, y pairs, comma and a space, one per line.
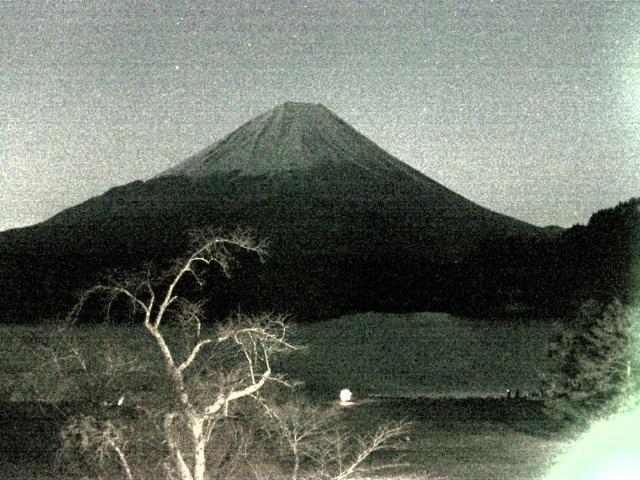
595, 363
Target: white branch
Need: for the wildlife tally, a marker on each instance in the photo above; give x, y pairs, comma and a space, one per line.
122, 459
367, 447
205, 255
194, 352
185, 472
223, 400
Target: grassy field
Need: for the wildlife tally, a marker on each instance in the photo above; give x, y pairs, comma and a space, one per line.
398, 366
466, 439
451, 439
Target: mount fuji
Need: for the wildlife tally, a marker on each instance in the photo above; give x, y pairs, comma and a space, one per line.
351, 228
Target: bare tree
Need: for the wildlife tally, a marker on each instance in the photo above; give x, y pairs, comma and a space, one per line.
188, 401
299, 427
207, 371
314, 435
343, 456
84, 434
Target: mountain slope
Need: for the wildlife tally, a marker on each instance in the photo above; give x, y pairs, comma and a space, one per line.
350, 227
292, 136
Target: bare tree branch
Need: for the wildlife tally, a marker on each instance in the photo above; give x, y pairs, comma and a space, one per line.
207, 372
194, 353
183, 469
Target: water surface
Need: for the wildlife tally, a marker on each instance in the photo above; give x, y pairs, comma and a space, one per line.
421, 354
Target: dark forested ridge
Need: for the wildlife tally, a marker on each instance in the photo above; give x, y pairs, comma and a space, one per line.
556, 274
350, 228
600, 260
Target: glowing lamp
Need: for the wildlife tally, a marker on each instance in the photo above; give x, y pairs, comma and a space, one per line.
345, 395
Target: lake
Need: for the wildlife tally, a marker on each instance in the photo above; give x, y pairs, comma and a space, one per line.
420, 354
399, 355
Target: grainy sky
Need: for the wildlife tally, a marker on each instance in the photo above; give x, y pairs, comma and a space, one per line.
528, 108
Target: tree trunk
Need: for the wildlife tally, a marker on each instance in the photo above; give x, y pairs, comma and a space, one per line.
183, 469
199, 443
296, 464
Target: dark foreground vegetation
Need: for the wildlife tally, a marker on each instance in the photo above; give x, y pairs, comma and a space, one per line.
464, 439
468, 439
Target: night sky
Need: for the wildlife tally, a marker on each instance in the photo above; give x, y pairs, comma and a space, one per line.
529, 108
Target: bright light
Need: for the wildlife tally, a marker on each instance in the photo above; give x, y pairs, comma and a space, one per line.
610, 450
624, 469
345, 395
